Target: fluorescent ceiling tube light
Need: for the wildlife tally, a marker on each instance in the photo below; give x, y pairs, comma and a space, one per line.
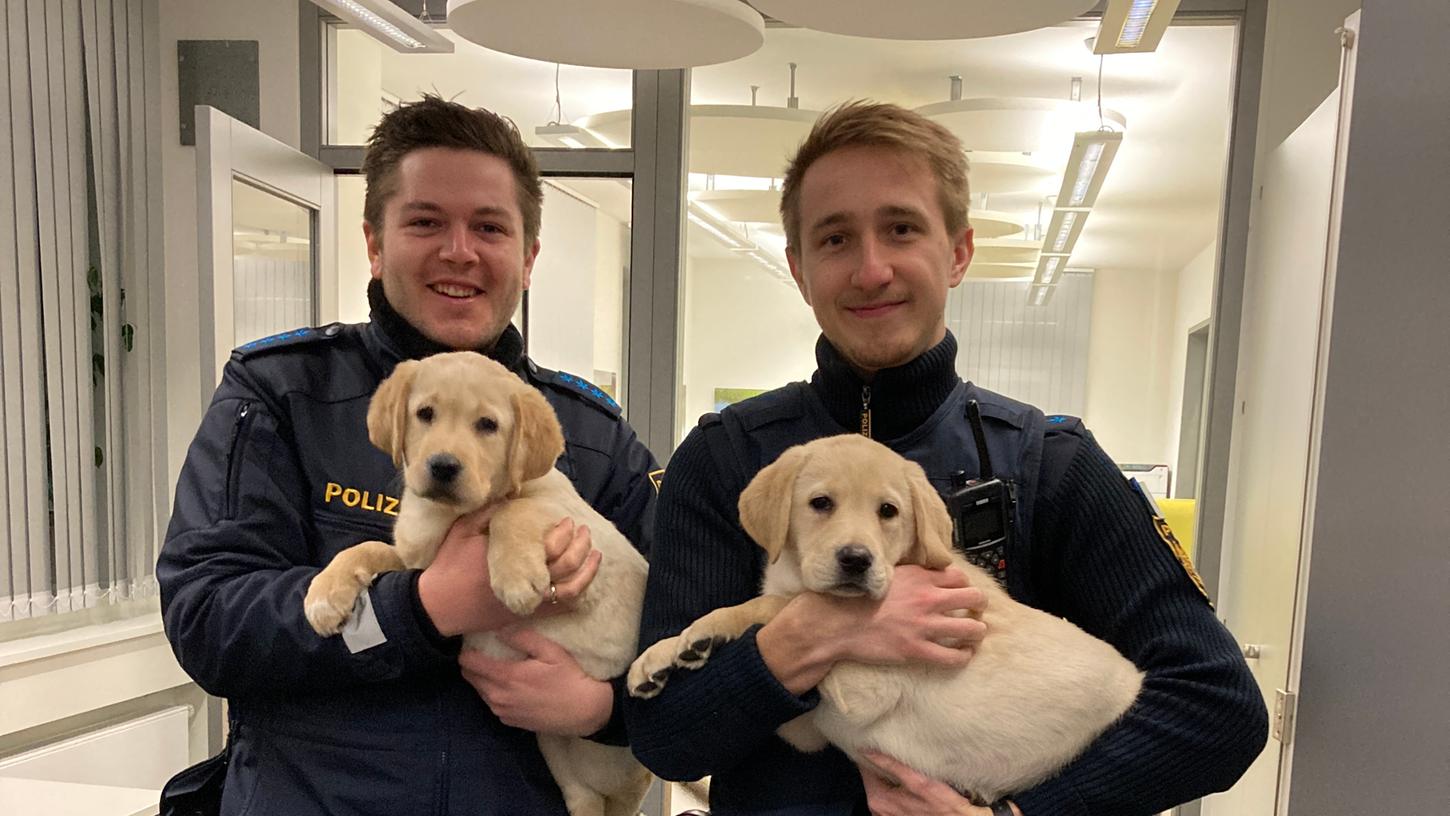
390, 25
1063, 231
1038, 294
1087, 168
571, 136
721, 229
1049, 268
1133, 26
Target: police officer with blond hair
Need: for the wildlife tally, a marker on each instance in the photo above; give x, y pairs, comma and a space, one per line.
874, 209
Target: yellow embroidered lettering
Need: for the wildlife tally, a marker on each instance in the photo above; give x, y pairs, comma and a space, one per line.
391, 508
351, 497
330, 492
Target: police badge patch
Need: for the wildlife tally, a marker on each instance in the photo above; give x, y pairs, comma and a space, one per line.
1160, 526
1166, 533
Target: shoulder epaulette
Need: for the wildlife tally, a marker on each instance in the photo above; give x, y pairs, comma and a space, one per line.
576, 386
1062, 423
287, 339
762, 409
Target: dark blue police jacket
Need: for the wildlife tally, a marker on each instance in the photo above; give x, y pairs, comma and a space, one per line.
280, 478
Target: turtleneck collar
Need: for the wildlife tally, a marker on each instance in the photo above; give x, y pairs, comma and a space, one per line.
902, 398
405, 342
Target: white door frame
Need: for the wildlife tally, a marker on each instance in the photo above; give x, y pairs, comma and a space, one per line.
227, 149
1349, 33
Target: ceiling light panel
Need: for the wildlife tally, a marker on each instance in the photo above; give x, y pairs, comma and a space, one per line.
1133, 26
1063, 231
1049, 269
1087, 168
390, 25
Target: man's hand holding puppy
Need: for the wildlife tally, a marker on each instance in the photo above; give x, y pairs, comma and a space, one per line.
546, 692
895, 789
455, 589
921, 611
457, 596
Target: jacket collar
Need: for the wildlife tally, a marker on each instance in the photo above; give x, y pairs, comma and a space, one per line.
901, 398
395, 339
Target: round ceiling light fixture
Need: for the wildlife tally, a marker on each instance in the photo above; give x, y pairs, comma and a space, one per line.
1002, 173
1020, 124
1001, 271
727, 140
746, 206
924, 19
988, 224
641, 34
1006, 251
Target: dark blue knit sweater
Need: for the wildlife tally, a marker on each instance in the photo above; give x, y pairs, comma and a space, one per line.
1097, 561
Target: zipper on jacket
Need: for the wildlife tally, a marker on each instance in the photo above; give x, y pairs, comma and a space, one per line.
234, 460
866, 411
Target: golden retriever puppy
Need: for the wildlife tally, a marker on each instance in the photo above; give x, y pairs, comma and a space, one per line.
466, 432
835, 516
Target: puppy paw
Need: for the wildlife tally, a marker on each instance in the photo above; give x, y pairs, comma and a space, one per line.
521, 587
648, 673
331, 598
695, 646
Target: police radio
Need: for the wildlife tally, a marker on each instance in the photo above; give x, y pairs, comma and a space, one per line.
982, 509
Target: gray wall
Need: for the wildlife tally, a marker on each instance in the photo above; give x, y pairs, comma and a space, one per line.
1374, 717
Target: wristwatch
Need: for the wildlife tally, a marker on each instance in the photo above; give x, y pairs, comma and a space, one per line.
1001, 808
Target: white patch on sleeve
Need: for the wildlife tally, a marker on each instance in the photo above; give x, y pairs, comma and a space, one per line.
362, 631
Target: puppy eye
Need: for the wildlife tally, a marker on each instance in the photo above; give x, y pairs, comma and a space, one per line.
425, 414
822, 504
888, 510
484, 425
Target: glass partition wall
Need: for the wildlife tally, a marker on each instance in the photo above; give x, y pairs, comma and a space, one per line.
1126, 269
1098, 190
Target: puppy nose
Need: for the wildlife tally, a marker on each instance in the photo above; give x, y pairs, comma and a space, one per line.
444, 467
854, 559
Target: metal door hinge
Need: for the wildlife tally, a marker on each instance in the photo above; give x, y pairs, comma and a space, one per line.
1286, 705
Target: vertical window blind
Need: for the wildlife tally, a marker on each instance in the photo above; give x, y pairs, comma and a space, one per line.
81, 305
1036, 354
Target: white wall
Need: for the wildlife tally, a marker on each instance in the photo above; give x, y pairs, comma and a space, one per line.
611, 255
352, 252
561, 298
743, 329
1128, 356
1193, 305
273, 24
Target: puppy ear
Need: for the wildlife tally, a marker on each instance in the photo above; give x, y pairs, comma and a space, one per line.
388, 411
933, 545
538, 440
765, 503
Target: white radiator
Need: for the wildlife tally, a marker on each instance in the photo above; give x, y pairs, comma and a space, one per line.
140, 753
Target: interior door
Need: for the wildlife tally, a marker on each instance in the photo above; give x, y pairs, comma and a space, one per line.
267, 242
1287, 294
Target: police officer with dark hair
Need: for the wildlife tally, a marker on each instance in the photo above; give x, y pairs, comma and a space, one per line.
874, 206
281, 477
